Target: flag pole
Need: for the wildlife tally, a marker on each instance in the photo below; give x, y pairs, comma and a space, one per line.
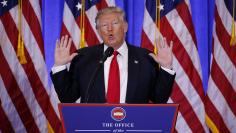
157, 22
82, 27
232, 41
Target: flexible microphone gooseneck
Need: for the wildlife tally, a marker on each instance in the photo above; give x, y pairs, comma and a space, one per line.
108, 52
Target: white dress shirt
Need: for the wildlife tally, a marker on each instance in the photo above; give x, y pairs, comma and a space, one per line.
122, 59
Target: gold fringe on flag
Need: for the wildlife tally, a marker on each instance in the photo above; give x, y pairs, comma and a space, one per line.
233, 40
20, 44
211, 124
82, 27
158, 23
50, 130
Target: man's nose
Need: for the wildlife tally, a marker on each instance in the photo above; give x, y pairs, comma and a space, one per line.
110, 27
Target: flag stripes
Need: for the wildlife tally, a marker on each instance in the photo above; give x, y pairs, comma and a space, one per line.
7, 127
215, 115
176, 25
9, 111
17, 97
91, 28
26, 104
185, 15
172, 31
148, 32
34, 24
190, 117
224, 37
64, 32
90, 33
31, 45
40, 93
218, 77
71, 21
221, 93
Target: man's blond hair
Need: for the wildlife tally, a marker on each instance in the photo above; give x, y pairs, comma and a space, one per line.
108, 10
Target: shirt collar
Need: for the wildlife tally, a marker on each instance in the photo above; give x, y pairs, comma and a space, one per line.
122, 49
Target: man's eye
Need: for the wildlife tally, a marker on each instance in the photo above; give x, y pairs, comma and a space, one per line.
104, 25
115, 22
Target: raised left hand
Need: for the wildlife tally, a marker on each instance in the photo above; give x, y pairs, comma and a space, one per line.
164, 55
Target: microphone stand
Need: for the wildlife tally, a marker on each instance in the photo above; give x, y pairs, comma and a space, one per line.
106, 54
91, 82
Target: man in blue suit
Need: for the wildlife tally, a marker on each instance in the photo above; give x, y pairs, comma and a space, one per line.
143, 76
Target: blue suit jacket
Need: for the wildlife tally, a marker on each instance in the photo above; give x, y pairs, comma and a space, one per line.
146, 81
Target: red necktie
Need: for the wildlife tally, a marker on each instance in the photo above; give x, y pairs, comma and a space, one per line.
113, 91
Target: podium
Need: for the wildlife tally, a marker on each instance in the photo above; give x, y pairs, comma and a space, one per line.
118, 118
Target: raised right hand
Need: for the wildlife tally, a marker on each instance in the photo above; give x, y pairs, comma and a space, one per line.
62, 51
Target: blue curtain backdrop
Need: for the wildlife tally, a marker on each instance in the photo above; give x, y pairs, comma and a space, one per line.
202, 16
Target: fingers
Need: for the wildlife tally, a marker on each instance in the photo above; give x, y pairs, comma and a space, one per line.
158, 44
61, 41
64, 42
57, 44
69, 43
162, 43
171, 45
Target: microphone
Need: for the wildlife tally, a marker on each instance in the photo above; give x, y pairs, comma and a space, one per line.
108, 52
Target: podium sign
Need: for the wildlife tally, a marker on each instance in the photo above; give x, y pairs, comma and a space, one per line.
118, 118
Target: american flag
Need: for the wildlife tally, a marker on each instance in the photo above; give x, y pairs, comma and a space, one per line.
25, 104
71, 20
176, 25
221, 94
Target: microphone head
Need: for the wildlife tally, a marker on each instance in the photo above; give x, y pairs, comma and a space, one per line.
109, 51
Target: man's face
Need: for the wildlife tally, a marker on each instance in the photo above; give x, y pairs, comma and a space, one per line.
112, 29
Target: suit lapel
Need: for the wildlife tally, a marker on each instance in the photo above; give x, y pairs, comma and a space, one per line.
98, 90
133, 72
